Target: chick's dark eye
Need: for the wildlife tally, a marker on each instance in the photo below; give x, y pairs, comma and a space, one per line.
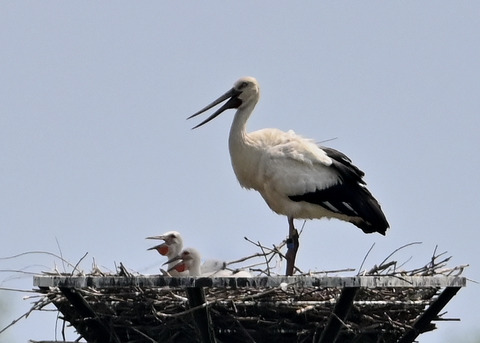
243, 85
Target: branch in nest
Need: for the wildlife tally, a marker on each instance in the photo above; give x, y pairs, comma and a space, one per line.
434, 267
75, 267
268, 254
39, 305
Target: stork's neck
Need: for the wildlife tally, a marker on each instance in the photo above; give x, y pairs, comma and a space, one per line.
244, 151
174, 250
238, 131
194, 268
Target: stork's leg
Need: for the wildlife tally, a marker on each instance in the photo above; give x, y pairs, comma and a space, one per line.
292, 247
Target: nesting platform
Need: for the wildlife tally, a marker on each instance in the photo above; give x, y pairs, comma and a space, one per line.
259, 309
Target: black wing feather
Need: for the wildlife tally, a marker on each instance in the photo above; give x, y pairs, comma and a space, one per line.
349, 197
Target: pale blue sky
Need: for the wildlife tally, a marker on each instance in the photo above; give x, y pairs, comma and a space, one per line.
95, 151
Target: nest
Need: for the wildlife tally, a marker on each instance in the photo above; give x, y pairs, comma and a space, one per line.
296, 314
132, 308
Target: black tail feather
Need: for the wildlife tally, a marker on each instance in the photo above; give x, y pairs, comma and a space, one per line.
352, 200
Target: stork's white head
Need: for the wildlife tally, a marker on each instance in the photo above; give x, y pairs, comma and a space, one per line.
248, 90
172, 246
245, 93
190, 260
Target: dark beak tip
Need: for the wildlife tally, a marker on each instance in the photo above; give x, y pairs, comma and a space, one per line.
231, 103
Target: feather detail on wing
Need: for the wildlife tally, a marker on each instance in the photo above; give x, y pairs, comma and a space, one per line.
294, 165
285, 145
348, 197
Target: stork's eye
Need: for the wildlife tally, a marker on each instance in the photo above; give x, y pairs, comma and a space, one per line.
243, 85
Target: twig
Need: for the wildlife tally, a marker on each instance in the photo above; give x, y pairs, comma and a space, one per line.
382, 266
38, 252
266, 260
143, 334
334, 271
37, 306
402, 247
74, 268
243, 259
16, 290
61, 254
264, 247
365, 258
17, 271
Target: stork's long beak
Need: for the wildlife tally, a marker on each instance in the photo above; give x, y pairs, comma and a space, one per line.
173, 259
156, 247
233, 102
156, 237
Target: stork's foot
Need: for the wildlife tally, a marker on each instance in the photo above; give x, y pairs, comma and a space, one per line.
292, 247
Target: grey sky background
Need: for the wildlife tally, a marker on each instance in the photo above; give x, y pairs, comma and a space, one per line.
96, 154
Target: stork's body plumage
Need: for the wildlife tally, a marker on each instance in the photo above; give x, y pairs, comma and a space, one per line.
190, 260
296, 177
301, 180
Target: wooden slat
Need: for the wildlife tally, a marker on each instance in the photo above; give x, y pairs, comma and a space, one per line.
96, 330
254, 282
430, 313
203, 323
338, 316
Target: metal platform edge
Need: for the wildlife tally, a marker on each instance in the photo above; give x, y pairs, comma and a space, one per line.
380, 281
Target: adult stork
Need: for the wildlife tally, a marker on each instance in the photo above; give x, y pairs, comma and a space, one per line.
295, 176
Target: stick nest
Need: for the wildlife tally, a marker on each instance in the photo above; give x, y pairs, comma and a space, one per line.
291, 313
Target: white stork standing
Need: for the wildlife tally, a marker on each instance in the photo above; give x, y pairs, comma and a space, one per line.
295, 176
